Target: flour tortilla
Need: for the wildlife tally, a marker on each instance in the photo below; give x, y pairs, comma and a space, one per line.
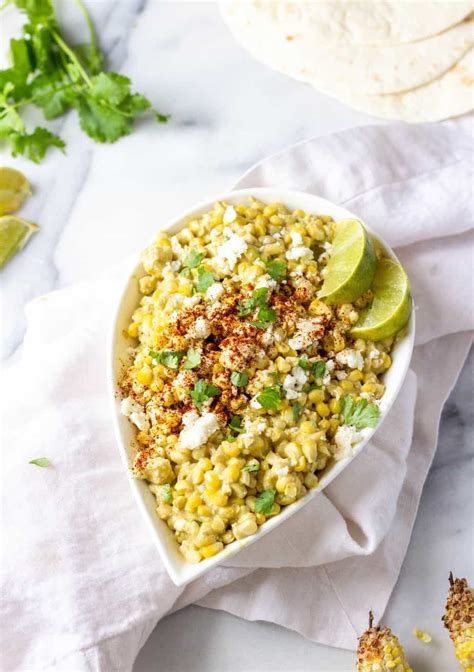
356, 21
448, 96
348, 68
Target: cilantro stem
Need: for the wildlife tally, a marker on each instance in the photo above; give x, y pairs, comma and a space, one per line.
72, 56
90, 25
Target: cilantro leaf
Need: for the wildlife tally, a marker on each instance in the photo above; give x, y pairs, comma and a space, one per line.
270, 397
265, 501
193, 259
303, 363
193, 359
296, 411
276, 269
168, 358
359, 414
203, 392
41, 462
204, 280
259, 297
252, 467
166, 493
33, 145
235, 425
239, 379
318, 369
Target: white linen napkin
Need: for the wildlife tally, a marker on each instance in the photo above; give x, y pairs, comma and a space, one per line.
83, 585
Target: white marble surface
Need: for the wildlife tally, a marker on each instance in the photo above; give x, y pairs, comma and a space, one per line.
97, 204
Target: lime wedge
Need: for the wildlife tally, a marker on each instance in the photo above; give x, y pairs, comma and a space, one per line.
391, 306
14, 188
351, 266
14, 234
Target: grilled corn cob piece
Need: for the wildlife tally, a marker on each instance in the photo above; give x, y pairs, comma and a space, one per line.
380, 651
459, 620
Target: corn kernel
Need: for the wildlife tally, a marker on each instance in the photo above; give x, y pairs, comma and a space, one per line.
212, 549
133, 330
204, 511
316, 396
346, 385
144, 376
213, 481
193, 502
307, 427
335, 406
323, 409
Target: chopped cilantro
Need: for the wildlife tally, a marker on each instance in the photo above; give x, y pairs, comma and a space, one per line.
193, 359
204, 279
270, 397
303, 363
296, 410
193, 259
41, 462
168, 358
236, 424
359, 414
258, 298
185, 272
276, 269
251, 467
239, 379
265, 501
203, 392
318, 369
265, 317
166, 493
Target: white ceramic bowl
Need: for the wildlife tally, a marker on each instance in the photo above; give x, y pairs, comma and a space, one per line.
181, 571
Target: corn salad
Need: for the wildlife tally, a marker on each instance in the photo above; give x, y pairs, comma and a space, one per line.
242, 385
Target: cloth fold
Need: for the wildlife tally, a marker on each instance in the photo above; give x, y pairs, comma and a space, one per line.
83, 585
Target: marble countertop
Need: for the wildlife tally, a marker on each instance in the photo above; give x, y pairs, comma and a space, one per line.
97, 204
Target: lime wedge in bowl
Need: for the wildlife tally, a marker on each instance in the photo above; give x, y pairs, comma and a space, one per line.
14, 234
390, 308
351, 266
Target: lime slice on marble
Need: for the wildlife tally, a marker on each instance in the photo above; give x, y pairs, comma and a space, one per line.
390, 308
14, 189
351, 266
14, 234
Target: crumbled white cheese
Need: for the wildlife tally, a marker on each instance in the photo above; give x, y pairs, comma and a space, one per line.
374, 354
340, 375
268, 336
302, 338
198, 431
294, 382
133, 410
229, 215
254, 403
214, 291
261, 427
345, 438
352, 358
190, 301
200, 329
171, 267
176, 246
228, 253
266, 281
190, 418
300, 252
327, 374
283, 471
296, 238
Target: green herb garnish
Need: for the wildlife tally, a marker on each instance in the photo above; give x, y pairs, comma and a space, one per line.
203, 392
166, 493
258, 298
193, 359
303, 363
56, 77
193, 259
270, 397
318, 369
204, 279
276, 269
359, 414
236, 424
41, 462
168, 358
265, 501
252, 467
239, 379
296, 410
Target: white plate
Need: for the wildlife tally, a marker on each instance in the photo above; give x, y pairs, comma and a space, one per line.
181, 571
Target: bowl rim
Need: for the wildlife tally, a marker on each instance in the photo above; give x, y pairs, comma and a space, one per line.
180, 570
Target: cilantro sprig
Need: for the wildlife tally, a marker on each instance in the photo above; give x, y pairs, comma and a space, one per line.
258, 298
239, 379
276, 269
265, 501
204, 279
202, 392
168, 358
360, 414
193, 359
55, 76
270, 397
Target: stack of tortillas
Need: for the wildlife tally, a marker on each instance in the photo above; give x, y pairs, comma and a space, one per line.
401, 59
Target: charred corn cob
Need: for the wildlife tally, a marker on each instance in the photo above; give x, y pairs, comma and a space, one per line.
380, 651
459, 620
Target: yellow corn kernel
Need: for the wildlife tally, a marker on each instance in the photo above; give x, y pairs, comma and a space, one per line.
310, 451
213, 481
216, 498
193, 502
315, 396
231, 449
260, 518
179, 502
270, 210
217, 525
356, 375
144, 376
231, 473
311, 481
324, 424
422, 636
204, 511
212, 549
302, 464
323, 409
163, 242
387, 361
333, 425
185, 290
368, 387
335, 406
307, 427
346, 385
133, 330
